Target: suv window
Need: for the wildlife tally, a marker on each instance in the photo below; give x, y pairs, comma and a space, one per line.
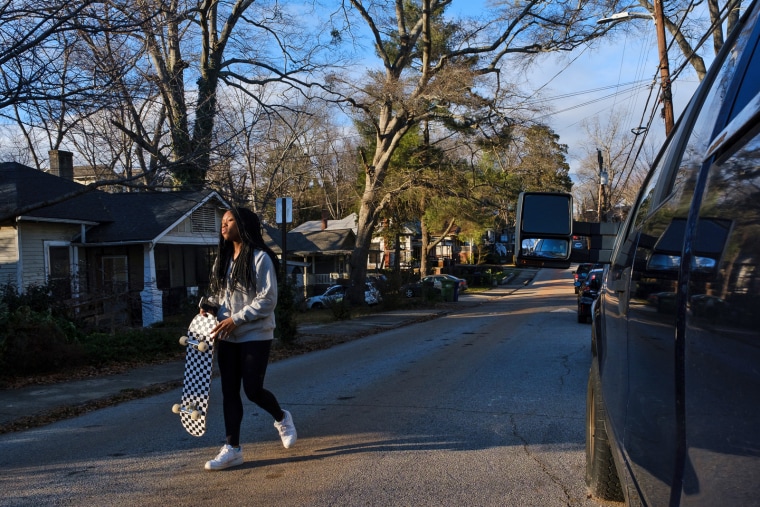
663, 182
748, 89
713, 113
677, 184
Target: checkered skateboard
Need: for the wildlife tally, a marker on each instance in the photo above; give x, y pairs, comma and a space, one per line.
198, 366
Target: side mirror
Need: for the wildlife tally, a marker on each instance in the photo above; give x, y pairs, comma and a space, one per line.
544, 230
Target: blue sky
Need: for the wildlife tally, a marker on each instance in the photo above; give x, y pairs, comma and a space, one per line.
613, 75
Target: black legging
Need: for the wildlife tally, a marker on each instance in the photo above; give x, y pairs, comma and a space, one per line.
246, 362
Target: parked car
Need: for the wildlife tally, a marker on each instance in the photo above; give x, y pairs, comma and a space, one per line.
437, 279
372, 295
333, 294
580, 274
673, 400
587, 293
664, 302
336, 293
580, 243
378, 280
415, 289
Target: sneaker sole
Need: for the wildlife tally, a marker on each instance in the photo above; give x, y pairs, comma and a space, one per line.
213, 468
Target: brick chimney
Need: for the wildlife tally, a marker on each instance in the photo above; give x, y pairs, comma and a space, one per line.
324, 219
62, 164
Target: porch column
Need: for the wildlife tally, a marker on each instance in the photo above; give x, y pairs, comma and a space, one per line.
151, 298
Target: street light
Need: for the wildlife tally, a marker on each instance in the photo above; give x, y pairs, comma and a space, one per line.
625, 16
659, 22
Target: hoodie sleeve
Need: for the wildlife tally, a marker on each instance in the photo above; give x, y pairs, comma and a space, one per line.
261, 304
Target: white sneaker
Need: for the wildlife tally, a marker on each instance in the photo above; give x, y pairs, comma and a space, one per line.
228, 457
287, 430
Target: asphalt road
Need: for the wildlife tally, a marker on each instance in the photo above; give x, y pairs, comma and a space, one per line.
483, 407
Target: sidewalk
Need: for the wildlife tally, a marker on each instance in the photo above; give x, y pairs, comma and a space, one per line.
28, 403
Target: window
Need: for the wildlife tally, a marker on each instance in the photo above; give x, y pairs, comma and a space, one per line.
115, 274
204, 220
714, 112
59, 270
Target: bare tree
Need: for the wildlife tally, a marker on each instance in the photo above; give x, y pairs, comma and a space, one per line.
333, 154
625, 177
296, 150
31, 35
243, 44
48, 84
140, 58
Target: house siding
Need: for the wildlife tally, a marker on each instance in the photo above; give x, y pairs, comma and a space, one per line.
116, 256
33, 236
200, 228
9, 255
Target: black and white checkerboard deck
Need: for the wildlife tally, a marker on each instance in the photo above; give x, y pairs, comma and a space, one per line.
198, 367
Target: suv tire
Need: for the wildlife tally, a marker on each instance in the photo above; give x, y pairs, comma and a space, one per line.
601, 474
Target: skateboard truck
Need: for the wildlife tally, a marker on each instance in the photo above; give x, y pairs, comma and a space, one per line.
200, 345
195, 414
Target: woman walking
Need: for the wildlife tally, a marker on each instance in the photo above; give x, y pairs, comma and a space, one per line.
243, 286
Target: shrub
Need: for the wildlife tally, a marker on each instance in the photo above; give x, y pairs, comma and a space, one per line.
139, 345
341, 310
431, 295
37, 342
38, 298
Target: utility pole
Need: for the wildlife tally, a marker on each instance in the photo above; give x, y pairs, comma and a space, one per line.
659, 24
667, 96
603, 178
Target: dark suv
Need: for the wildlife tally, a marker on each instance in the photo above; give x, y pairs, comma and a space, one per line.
673, 407
588, 292
673, 404
580, 274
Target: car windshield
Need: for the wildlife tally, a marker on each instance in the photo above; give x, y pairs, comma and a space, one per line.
551, 248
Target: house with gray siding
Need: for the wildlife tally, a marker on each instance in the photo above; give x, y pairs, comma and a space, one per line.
127, 256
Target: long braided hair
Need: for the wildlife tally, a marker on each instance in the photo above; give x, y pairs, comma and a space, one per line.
243, 272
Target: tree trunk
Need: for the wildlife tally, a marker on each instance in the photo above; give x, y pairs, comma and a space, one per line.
424, 249
358, 262
391, 129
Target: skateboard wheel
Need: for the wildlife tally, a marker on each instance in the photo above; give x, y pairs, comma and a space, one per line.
176, 408
183, 341
203, 346
195, 415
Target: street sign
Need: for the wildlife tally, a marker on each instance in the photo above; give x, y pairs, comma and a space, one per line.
288, 207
